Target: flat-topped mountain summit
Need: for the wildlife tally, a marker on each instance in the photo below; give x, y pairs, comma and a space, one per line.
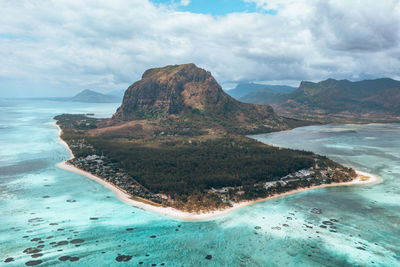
171, 90
188, 93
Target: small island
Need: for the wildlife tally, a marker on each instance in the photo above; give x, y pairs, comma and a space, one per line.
177, 146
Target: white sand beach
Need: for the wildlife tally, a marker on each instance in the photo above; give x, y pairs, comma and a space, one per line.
362, 178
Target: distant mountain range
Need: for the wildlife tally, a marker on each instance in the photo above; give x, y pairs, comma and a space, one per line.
117, 93
263, 97
244, 90
88, 96
337, 100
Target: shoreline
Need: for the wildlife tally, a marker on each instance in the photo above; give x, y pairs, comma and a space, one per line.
362, 178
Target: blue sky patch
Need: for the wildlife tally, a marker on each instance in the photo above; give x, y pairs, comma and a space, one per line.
18, 37
6, 36
216, 7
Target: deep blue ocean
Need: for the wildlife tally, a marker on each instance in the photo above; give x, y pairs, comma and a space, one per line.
69, 220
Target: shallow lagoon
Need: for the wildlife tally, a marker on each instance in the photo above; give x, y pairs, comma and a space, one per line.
357, 225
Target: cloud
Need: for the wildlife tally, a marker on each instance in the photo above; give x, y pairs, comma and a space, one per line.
185, 2
351, 27
71, 45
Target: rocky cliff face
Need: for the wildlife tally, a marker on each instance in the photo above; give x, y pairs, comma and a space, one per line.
170, 90
188, 91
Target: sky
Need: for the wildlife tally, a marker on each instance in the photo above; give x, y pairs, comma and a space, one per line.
60, 47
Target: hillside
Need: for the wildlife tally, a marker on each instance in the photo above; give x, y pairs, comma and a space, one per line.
367, 100
243, 89
90, 96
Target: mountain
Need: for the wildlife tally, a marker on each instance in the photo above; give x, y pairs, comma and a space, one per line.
373, 100
177, 140
263, 97
90, 96
117, 93
186, 94
243, 89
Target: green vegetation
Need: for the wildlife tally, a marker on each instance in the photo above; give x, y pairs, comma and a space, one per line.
182, 166
190, 171
343, 101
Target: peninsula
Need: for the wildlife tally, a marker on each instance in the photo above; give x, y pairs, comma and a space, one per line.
176, 145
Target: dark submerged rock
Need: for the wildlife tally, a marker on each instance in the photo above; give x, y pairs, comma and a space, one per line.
32, 250
316, 211
208, 257
37, 255
74, 259
124, 258
77, 241
9, 260
33, 263
64, 258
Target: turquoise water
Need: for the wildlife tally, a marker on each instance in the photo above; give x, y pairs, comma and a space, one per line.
41, 204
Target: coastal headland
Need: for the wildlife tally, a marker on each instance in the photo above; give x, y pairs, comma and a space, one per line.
178, 145
362, 178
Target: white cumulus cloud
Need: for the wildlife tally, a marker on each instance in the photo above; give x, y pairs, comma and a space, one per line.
63, 46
